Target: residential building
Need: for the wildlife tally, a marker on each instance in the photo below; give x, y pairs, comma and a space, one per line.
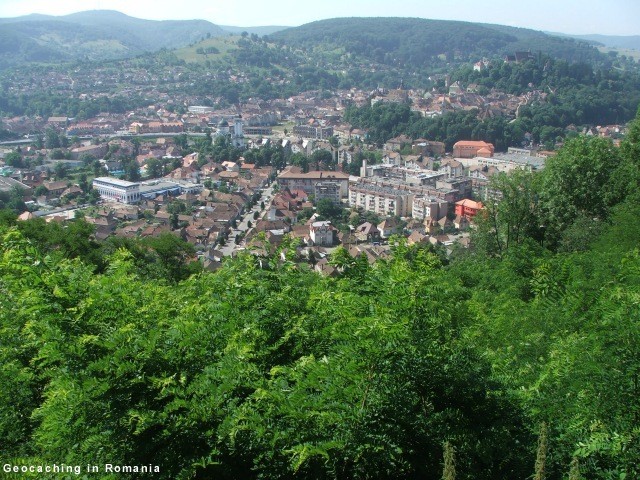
389, 226
452, 167
385, 201
468, 208
200, 109
307, 181
427, 207
367, 232
462, 186
322, 234
315, 132
327, 191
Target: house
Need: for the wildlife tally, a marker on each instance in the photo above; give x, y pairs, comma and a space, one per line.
455, 88
55, 189
322, 234
445, 223
367, 232
231, 166
417, 238
26, 216
425, 147
389, 226
372, 253
323, 267
396, 144
468, 208
452, 167
393, 158
189, 160
431, 226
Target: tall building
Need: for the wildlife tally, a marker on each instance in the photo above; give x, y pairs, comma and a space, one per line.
387, 201
307, 181
327, 191
427, 207
237, 138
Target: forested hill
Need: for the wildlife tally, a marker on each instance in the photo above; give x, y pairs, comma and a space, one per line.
93, 35
417, 41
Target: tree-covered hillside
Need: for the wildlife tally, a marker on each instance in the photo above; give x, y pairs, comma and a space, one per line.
518, 357
418, 42
94, 35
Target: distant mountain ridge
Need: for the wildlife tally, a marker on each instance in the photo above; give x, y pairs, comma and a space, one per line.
93, 35
266, 30
611, 41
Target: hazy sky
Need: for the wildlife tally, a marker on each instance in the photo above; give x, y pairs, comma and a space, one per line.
610, 17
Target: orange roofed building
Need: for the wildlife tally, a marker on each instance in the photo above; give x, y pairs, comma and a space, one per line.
470, 149
468, 208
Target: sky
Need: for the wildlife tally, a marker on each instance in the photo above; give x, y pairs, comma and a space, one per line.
611, 17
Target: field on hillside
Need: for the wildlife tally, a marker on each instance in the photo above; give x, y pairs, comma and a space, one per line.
635, 54
224, 45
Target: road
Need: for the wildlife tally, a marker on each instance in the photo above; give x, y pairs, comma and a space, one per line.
230, 246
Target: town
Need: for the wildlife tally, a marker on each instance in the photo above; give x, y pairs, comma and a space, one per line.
413, 188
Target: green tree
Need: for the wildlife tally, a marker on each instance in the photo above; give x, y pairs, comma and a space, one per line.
329, 210
577, 182
14, 159
61, 170
52, 139
154, 168
512, 213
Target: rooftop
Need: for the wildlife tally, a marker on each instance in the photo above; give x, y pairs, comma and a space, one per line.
317, 175
115, 181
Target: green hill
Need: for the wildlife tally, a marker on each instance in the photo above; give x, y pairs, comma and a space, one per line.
93, 35
416, 41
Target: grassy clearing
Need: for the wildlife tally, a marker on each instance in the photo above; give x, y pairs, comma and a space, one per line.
223, 44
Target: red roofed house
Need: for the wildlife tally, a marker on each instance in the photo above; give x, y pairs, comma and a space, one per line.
468, 208
470, 149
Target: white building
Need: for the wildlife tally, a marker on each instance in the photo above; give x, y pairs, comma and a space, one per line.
237, 139
426, 207
200, 109
322, 234
114, 189
382, 200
